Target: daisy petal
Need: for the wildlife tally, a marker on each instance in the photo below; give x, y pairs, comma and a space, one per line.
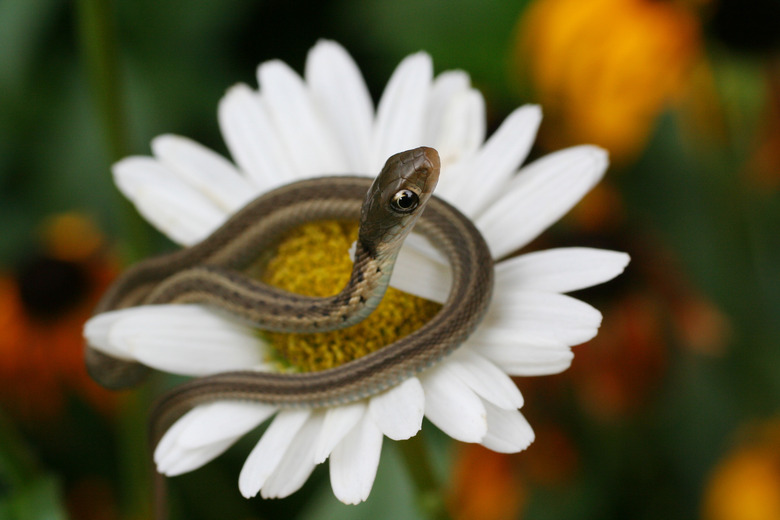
305, 139
399, 411
168, 442
529, 361
338, 423
498, 159
452, 406
341, 94
189, 460
521, 353
560, 270
268, 453
401, 111
485, 378
252, 140
354, 461
445, 86
463, 128
508, 431
97, 331
172, 458
223, 420
417, 273
186, 339
548, 315
422, 245
296, 464
209, 173
463, 132
541, 193
174, 207
455, 122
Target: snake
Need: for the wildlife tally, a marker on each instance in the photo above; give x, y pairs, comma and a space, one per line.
214, 272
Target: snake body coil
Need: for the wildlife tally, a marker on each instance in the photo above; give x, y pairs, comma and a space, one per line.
210, 273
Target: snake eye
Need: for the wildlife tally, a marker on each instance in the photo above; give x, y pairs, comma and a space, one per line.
404, 201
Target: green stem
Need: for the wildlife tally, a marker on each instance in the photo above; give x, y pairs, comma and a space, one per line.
135, 455
99, 51
98, 45
430, 498
18, 464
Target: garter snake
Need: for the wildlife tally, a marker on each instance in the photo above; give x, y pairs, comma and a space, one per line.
210, 273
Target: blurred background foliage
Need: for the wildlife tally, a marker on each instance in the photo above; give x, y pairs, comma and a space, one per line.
671, 412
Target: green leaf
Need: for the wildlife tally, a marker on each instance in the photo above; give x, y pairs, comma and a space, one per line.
38, 499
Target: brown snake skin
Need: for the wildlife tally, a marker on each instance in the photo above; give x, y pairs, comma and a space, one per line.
210, 272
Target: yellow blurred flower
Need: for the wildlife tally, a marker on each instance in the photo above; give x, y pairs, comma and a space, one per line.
604, 69
71, 237
746, 483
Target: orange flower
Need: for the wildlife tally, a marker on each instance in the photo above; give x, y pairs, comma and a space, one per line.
552, 460
42, 312
495, 486
604, 69
764, 166
485, 486
623, 365
745, 485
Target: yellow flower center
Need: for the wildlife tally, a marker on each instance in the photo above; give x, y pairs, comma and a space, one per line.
313, 260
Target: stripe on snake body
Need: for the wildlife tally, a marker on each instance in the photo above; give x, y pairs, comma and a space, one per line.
209, 273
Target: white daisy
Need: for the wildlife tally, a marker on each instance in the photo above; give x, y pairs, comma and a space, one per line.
325, 123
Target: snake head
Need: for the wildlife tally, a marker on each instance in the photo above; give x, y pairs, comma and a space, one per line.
397, 198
